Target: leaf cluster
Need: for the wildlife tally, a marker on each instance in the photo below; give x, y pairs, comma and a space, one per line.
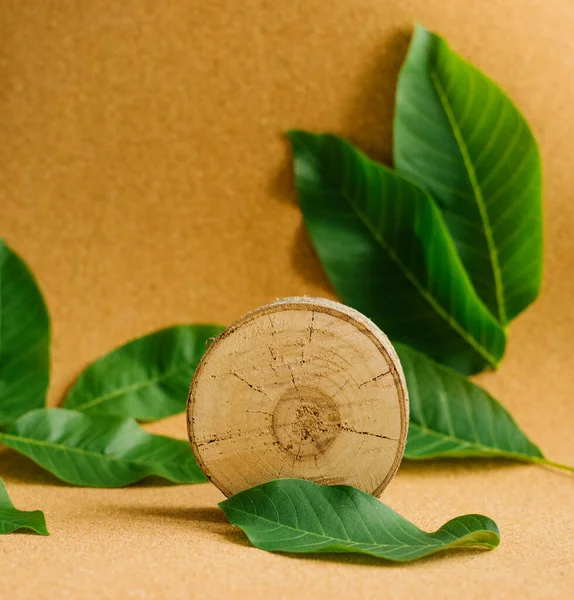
442, 252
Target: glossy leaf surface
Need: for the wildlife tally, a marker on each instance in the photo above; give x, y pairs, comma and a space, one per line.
99, 450
457, 134
294, 515
385, 247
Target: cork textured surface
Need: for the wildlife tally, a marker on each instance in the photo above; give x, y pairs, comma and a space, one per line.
145, 178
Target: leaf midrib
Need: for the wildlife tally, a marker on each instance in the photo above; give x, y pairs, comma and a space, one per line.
423, 291
131, 388
479, 445
473, 179
72, 449
336, 539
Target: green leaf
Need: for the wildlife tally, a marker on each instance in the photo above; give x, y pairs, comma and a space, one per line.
12, 519
146, 379
24, 339
388, 253
457, 134
293, 515
452, 417
99, 450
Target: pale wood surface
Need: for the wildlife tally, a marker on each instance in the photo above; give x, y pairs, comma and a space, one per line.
303, 387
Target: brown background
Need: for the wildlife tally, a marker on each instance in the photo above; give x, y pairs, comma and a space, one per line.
145, 178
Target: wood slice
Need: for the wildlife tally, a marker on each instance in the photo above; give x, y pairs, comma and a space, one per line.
304, 387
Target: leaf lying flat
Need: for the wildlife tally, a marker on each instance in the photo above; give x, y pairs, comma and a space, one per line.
24, 339
146, 379
388, 253
12, 519
452, 417
294, 515
99, 450
457, 134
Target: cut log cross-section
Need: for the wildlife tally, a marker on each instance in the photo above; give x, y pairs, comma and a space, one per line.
304, 387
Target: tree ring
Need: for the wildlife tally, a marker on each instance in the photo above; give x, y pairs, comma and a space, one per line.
304, 387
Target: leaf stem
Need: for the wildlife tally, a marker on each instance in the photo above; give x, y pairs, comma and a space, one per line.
551, 463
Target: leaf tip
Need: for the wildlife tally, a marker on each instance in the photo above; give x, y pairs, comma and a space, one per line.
419, 29
300, 138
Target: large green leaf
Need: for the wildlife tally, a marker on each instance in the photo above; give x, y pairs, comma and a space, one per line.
24, 339
293, 515
388, 253
457, 134
99, 450
146, 379
12, 519
452, 417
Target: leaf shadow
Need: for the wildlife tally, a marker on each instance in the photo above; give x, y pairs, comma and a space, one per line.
156, 481
371, 561
368, 124
18, 468
212, 519
25, 531
61, 399
15, 467
369, 118
306, 261
200, 514
458, 465
215, 520
302, 253
209, 518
